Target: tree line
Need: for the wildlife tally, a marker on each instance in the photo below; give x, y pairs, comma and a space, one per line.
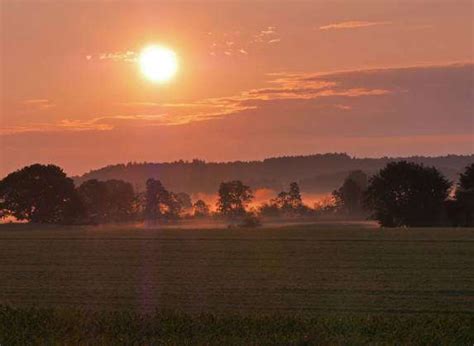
402, 194
319, 173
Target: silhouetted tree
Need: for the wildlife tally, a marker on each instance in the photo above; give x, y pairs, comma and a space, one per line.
288, 203
360, 178
281, 201
160, 204
407, 194
93, 195
269, 210
120, 198
107, 201
185, 200
326, 206
234, 197
40, 194
151, 210
250, 220
201, 209
465, 198
349, 197
172, 206
294, 196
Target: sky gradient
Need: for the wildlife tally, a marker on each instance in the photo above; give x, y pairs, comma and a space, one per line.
370, 78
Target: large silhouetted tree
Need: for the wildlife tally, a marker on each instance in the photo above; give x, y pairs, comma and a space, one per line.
121, 199
107, 201
234, 197
40, 194
407, 194
465, 197
154, 189
160, 204
93, 194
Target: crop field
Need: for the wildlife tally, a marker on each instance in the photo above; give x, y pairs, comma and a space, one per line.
300, 271
297, 269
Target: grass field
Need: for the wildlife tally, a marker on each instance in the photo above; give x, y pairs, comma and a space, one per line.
50, 327
343, 275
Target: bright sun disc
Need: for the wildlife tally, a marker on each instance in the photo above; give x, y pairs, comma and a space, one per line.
158, 64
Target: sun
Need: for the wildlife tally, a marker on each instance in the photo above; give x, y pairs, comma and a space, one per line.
158, 64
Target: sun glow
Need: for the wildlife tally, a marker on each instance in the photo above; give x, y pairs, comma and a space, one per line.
159, 64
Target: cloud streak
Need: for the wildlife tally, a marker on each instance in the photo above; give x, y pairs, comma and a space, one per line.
238, 43
127, 56
38, 104
351, 25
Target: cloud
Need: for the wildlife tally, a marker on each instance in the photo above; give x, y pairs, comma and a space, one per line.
237, 43
343, 107
232, 43
17, 129
269, 32
38, 104
127, 56
133, 104
411, 100
103, 123
35, 101
351, 25
304, 87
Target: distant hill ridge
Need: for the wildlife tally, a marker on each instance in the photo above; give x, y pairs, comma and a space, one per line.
319, 173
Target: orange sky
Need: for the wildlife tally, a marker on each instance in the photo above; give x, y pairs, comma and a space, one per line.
370, 78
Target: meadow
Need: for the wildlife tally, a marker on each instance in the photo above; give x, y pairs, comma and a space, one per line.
338, 283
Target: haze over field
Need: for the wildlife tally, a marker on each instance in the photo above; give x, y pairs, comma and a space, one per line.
242, 81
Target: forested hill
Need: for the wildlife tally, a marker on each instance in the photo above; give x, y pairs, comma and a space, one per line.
315, 173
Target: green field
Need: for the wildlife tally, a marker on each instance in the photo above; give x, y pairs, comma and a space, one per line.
302, 272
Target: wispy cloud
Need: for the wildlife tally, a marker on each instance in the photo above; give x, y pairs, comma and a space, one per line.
343, 107
231, 43
351, 25
237, 43
102, 123
265, 35
35, 101
39, 104
129, 56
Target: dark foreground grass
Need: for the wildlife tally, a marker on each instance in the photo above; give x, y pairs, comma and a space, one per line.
27, 326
